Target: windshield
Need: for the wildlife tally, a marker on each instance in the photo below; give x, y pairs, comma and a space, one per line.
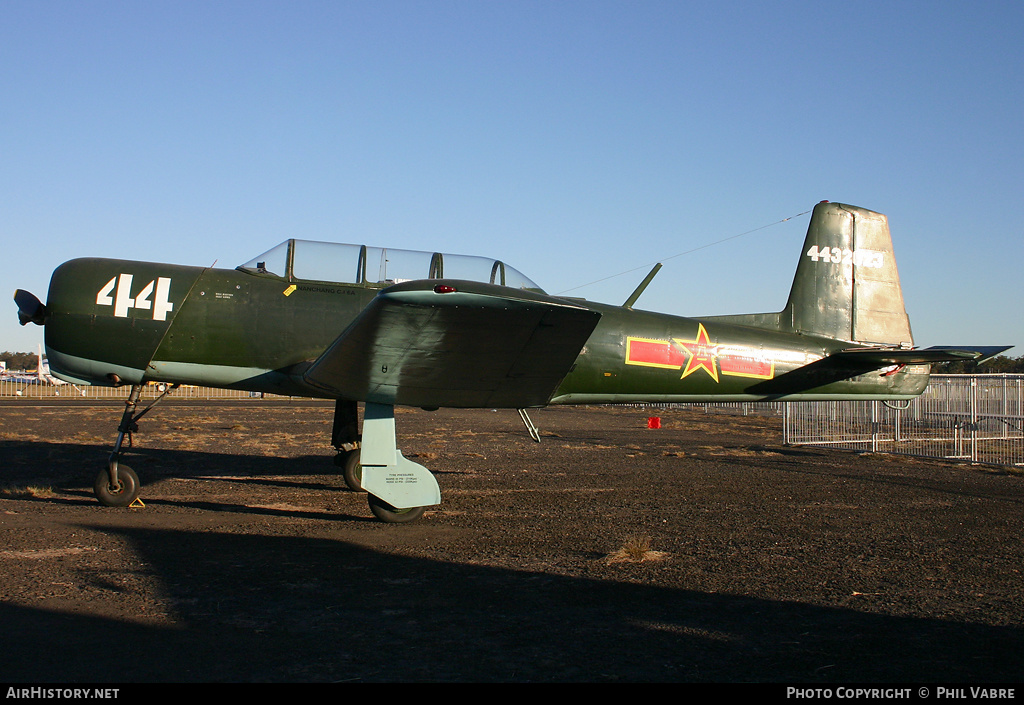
361, 264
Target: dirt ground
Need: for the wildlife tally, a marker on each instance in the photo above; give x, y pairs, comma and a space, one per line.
252, 562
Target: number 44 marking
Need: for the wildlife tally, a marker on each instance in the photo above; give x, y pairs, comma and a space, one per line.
122, 299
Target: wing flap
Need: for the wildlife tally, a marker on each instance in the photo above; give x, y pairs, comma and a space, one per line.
477, 346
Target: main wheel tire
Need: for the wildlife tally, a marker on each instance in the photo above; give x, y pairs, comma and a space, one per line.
121, 495
389, 515
353, 472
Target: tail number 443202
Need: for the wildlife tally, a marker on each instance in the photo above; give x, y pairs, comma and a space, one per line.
836, 255
118, 293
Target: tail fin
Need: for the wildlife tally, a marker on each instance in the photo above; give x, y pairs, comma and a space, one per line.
846, 285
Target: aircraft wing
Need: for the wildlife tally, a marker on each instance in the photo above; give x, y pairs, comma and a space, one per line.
434, 343
941, 353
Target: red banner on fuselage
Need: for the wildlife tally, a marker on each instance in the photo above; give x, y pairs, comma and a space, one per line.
699, 353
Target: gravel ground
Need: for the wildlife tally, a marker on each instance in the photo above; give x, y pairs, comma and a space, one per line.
704, 551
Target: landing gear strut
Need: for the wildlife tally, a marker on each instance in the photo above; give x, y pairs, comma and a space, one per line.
398, 490
118, 485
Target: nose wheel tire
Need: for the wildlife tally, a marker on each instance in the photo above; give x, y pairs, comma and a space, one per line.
120, 495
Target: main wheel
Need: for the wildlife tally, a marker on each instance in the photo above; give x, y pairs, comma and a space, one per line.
352, 471
120, 495
388, 514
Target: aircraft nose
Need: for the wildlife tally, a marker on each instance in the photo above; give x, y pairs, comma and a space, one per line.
30, 308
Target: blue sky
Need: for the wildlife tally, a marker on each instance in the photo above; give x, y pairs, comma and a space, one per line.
573, 140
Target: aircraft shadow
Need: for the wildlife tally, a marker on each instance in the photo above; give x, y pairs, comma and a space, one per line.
248, 608
240, 607
817, 374
76, 464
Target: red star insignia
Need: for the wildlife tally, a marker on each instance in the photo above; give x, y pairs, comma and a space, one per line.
702, 353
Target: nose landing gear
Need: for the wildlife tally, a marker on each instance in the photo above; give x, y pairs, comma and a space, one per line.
117, 485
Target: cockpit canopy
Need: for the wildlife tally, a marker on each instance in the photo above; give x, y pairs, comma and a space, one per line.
360, 264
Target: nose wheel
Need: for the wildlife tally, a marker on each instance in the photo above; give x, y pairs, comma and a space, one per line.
117, 485
117, 489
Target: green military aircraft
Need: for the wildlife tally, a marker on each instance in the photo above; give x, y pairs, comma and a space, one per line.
395, 327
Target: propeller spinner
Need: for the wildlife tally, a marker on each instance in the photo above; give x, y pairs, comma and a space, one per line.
30, 309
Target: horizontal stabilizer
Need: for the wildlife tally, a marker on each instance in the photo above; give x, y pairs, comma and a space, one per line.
940, 353
452, 343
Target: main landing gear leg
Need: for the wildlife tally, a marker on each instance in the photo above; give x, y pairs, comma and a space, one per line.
398, 490
345, 439
118, 485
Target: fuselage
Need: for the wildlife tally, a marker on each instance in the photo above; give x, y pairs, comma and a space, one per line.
223, 327
115, 322
640, 356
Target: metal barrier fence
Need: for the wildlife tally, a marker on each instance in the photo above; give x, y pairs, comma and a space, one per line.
976, 418
31, 389
732, 408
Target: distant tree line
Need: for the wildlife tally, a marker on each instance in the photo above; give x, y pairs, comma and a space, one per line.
20, 361
999, 364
